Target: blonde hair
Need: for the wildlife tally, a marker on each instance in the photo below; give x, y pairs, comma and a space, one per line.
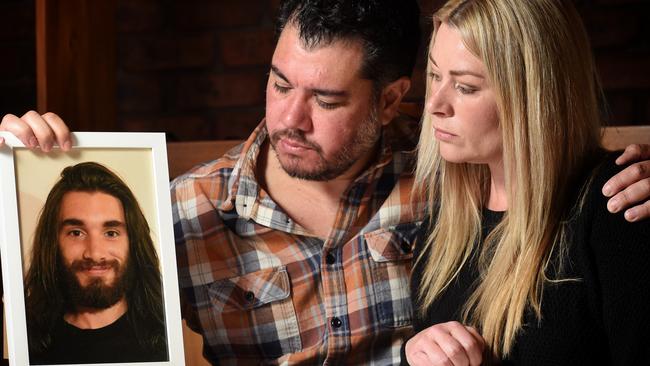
540, 66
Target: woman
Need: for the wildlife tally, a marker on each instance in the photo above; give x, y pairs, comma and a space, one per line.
520, 262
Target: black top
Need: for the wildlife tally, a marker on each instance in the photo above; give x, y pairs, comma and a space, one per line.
601, 319
114, 343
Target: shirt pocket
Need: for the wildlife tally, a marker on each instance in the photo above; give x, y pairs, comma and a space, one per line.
253, 316
391, 256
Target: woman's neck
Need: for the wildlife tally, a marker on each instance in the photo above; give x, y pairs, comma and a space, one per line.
498, 200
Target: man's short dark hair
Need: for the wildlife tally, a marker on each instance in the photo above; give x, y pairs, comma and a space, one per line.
44, 299
389, 31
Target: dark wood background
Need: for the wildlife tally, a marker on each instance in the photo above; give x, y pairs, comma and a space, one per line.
196, 69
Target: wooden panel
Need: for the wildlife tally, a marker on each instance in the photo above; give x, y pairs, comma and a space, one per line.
193, 345
182, 156
617, 138
75, 62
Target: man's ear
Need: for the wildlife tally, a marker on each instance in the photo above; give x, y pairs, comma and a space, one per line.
391, 97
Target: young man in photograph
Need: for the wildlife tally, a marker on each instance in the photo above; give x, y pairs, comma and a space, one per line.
93, 289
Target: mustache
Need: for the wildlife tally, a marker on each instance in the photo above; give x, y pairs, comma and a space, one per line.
87, 264
296, 135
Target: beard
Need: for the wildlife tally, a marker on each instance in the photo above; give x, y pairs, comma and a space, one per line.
95, 294
324, 169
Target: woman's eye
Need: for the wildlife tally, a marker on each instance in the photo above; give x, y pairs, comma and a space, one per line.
434, 76
464, 89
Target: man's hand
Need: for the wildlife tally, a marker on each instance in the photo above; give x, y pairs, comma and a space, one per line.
631, 185
35, 130
448, 344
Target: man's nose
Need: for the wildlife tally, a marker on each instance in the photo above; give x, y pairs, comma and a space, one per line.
95, 247
297, 113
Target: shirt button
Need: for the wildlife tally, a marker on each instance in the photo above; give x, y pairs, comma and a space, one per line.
336, 322
249, 296
330, 258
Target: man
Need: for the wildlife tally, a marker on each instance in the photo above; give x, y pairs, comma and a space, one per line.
295, 246
93, 289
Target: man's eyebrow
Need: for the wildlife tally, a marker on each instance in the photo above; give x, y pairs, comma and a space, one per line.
319, 91
77, 222
279, 73
458, 72
72, 222
114, 223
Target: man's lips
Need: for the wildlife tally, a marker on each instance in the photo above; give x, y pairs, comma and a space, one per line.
96, 270
293, 145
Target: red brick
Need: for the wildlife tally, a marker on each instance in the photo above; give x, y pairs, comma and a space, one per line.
139, 15
622, 108
274, 5
138, 93
418, 84
253, 47
236, 123
197, 14
174, 52
221, 90
17, 21
606, 29
178, 128
624, 72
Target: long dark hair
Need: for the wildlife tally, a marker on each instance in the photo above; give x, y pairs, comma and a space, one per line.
44, 299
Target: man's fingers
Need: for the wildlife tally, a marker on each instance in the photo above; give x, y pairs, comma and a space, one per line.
20, 129
452, 347
634, 152
637, 213
626, 178
61, 131
44, 134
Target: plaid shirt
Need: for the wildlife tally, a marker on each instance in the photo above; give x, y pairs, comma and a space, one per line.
261, 290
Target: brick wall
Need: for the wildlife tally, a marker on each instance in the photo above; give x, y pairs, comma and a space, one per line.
197, 68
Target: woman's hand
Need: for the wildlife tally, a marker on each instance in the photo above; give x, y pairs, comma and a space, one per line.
448, 344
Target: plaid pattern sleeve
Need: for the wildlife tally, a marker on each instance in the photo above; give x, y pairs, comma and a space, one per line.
260, 291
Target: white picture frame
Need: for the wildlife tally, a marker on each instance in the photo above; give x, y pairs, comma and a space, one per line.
140, 159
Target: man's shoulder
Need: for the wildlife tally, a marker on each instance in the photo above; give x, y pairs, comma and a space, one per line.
213, 168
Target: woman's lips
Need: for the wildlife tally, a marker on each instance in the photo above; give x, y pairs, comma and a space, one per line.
443, 135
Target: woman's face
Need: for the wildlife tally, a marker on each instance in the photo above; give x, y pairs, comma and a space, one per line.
462, 103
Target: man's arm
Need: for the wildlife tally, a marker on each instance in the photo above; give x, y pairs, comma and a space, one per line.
631, 186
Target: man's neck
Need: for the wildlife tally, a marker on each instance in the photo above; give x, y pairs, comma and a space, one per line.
92, 318
312, 204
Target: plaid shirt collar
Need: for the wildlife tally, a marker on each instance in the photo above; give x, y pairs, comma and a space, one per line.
247, 196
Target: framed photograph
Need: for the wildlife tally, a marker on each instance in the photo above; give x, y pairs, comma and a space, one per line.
87, 247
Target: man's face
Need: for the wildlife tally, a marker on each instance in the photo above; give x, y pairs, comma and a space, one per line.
94, 247
320, 114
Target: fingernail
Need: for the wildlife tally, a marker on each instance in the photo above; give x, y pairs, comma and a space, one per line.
631, 215
607, 190
66, 145
613, 205
33, 142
